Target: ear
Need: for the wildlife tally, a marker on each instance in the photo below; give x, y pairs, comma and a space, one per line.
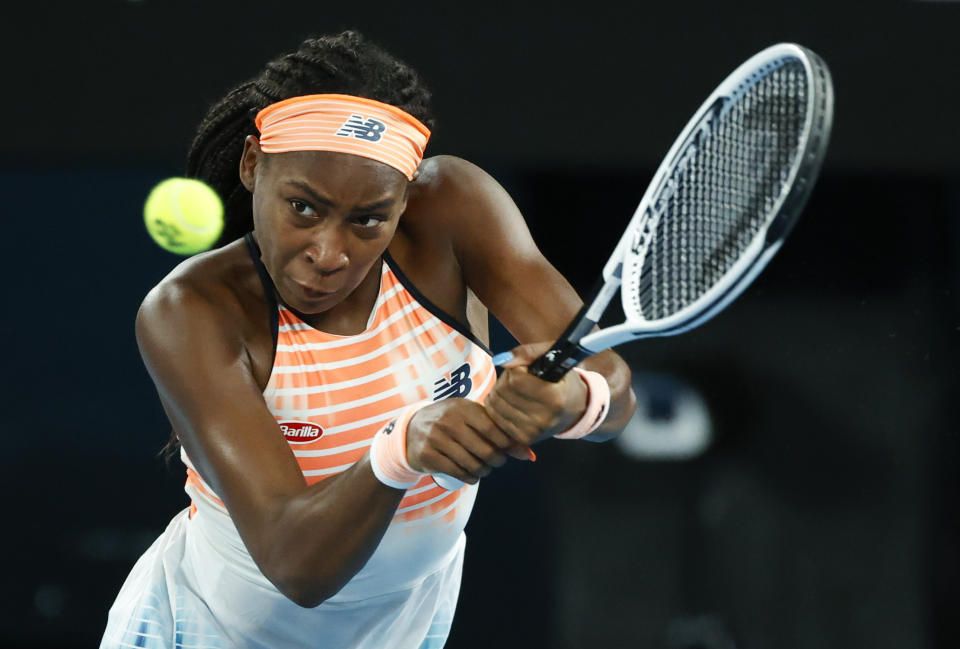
249, 160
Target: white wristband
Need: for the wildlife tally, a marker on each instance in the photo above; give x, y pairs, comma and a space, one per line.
598, 405
388, 453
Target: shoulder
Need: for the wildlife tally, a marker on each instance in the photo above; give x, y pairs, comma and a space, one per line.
211, 289
449, 169
449, 179
454, 198
202, 278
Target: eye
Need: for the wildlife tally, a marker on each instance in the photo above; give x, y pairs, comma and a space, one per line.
300, 207
369, 221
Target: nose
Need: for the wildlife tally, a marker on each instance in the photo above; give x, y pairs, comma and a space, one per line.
328, 251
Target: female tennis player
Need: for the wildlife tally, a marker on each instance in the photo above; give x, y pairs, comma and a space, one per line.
323, 363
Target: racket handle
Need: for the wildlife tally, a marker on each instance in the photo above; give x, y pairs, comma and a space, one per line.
561, 358
566, 352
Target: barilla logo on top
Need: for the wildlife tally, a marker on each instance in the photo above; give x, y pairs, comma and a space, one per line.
362, 128
300, 432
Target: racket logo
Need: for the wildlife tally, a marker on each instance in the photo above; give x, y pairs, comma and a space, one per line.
458, 384
300, 432
362, 128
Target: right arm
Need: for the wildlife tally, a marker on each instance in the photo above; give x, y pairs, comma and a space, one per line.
202, 372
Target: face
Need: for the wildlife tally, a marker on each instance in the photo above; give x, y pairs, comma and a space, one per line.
322, 219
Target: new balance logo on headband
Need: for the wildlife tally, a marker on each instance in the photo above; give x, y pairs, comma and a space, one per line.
367, 129
458, 385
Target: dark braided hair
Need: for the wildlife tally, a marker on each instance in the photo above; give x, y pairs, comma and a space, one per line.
345, 63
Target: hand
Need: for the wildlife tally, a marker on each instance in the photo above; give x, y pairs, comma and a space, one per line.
529, 409
456, 437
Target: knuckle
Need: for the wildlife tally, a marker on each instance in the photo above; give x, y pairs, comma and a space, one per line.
501, 440
511, 376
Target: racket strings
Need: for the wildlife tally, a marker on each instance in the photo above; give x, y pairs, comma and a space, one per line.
730, 189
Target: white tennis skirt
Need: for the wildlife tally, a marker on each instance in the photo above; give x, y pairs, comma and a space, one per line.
181, 594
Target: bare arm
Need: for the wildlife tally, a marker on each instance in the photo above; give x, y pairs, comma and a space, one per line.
503, 266
203, 376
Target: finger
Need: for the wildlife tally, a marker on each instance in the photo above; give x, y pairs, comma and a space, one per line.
441, 464
528, 393
480, 448
550, 404
522, 355
524, 384
551, 409
483, 423
513, 421
520, 452
478, 418
467, 464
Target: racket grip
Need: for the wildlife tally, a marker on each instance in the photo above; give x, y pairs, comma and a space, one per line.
567, 352
561, 358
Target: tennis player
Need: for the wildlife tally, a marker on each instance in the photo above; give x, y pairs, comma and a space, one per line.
330, 356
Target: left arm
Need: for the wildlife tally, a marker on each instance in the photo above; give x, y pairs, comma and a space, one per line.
503, 266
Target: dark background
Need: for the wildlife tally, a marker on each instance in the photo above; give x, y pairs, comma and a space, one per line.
823, 513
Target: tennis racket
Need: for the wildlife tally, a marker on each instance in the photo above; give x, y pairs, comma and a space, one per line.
717, 210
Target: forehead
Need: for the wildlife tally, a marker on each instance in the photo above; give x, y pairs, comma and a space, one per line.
331, 169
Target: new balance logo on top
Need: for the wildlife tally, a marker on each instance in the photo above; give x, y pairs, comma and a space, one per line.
458, 385
362, 128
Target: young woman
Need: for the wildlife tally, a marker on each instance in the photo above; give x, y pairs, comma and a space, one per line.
330, 356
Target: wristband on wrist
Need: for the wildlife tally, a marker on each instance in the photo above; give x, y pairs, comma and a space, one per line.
388, 452
598, 405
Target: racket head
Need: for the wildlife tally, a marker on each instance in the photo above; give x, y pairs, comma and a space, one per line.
726, 195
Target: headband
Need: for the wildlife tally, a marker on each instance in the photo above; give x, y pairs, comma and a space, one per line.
345, 124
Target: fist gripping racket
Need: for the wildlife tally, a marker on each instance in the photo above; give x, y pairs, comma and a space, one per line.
717, 210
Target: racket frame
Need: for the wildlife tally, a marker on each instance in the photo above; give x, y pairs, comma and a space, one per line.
580, 341
576, 343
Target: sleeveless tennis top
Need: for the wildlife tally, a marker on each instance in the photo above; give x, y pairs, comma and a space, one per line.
198, 587
330, 394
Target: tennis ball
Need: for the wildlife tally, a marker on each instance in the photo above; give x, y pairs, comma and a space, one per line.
183, 215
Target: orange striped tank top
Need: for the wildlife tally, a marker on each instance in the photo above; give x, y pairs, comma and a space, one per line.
330, 394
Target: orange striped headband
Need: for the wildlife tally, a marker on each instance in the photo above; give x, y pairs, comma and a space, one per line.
345, 124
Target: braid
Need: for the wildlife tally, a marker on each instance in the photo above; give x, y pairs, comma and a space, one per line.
345, 63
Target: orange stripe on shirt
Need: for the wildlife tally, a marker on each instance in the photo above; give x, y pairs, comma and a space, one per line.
350, 403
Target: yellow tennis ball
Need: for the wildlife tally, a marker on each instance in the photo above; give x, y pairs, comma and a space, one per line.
183, 215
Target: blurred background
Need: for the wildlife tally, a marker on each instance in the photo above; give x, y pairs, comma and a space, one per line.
788, 480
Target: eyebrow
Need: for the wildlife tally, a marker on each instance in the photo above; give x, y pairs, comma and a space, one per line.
304, 187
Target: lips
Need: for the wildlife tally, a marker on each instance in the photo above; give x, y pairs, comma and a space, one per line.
314, 293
